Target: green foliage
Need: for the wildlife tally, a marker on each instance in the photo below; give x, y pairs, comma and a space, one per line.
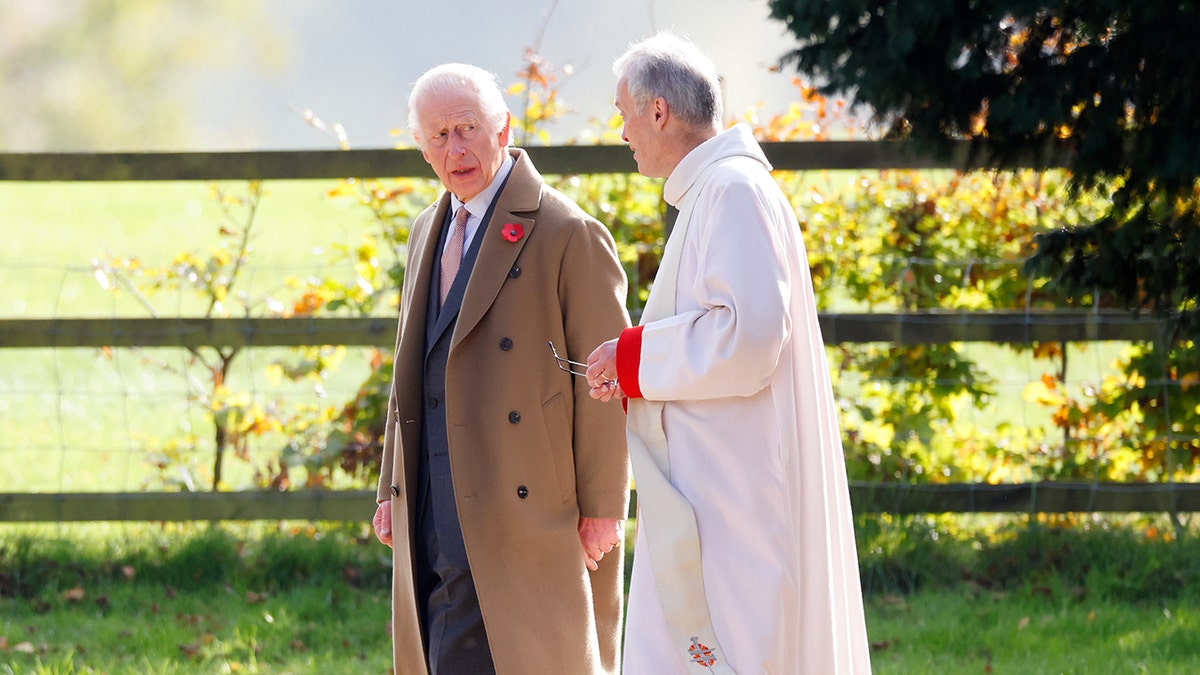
264, 558
1095, 558
908, 241
378, 258
1158, 408
1098, 81
1095, 74
898, 554
237, 417
1142, 253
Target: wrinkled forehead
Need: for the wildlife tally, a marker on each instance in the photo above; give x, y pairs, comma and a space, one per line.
450, 118
446, 110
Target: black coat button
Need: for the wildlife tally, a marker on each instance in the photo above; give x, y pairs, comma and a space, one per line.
514, 272
506, 344
433, 403
396, 490
514, 417
522, 492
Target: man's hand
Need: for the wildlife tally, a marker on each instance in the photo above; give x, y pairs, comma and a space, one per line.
599, 536
602, 372
382, 522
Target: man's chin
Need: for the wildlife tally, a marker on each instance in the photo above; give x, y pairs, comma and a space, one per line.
464, 187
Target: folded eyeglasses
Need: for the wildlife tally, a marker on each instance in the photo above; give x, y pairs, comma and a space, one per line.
569, 366
566, 365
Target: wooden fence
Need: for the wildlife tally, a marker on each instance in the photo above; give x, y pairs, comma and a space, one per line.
932, 327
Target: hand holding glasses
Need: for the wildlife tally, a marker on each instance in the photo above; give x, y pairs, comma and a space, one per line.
569, 366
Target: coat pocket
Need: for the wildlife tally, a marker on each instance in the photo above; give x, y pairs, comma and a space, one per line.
556, 421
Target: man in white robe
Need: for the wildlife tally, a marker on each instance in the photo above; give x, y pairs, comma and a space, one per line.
745, 559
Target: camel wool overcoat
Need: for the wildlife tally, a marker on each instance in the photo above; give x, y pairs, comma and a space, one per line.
530, 451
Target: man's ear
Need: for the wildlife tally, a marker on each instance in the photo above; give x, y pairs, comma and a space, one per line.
660, 112
506, 133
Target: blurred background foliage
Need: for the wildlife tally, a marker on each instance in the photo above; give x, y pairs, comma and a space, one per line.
104, 74
1093, 83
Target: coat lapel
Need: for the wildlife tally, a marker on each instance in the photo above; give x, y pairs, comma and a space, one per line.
522, 194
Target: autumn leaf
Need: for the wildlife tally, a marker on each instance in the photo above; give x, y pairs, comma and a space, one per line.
1189, 380
1047, 350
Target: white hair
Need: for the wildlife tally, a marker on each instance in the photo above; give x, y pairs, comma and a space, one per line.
675, 69
455, 77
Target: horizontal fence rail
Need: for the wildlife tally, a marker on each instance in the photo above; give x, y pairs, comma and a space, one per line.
901, 328
407, 162
1046, 497
359, 505
344, 505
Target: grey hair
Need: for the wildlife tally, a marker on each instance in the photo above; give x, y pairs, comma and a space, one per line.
675, 69
455, 77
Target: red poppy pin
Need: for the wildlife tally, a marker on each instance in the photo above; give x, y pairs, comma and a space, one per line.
512, 232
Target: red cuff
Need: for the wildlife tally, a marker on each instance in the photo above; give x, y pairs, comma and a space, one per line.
629, 359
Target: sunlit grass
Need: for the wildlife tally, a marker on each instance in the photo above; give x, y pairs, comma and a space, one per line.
286, 597
967, 631
53, 231
327, 627
297, 597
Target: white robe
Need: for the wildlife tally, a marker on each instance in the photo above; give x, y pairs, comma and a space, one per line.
751, 431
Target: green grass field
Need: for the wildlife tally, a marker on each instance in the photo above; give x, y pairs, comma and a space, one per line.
294, 598
971, 632
336, 629
53, 232
324, 628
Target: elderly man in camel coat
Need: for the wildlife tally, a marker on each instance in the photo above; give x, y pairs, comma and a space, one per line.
503, 484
